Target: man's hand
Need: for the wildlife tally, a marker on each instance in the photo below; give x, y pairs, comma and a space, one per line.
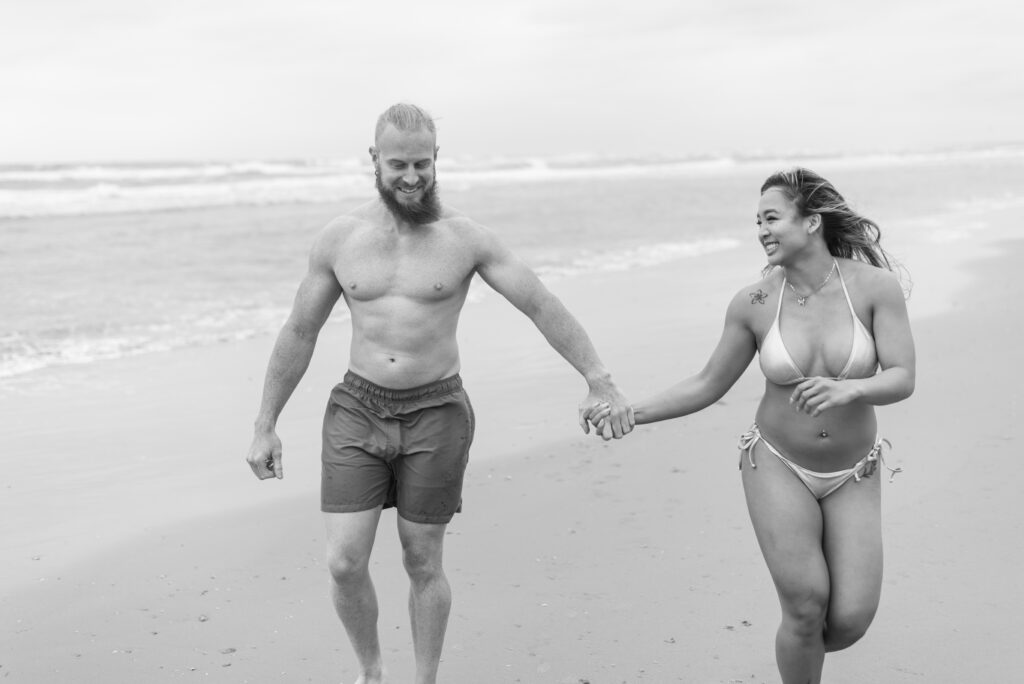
597, 415
616, 413
265, 456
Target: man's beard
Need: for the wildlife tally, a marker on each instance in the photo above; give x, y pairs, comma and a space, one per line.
426, 210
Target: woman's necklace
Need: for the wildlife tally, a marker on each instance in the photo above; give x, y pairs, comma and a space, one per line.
802, 299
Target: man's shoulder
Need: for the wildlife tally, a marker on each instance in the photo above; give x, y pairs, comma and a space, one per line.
456, 221
465, 230
342, 229
333, 237
361, 217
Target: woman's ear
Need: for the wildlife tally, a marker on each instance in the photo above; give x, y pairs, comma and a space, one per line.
815, 223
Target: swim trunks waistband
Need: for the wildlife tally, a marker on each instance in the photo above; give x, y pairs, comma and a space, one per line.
372, 390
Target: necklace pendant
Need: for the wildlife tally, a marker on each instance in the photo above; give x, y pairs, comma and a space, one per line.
801, 300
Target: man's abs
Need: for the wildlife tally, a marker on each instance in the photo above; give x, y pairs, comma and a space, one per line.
400, 345
396, 369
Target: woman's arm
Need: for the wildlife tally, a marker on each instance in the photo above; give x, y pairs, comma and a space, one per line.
894, 345
731, 357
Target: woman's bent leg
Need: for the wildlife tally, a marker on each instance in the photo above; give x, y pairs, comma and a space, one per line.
852, 540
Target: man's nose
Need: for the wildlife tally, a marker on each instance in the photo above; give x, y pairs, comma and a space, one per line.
411, 176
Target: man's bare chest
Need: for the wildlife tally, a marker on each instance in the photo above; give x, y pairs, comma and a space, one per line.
422, 272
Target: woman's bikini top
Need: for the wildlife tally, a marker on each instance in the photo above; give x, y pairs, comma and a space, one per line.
778, 366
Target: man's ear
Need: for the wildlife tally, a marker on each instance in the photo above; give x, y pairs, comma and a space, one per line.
436, 148
373, 153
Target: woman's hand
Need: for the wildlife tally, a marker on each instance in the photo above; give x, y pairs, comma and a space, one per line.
818, 394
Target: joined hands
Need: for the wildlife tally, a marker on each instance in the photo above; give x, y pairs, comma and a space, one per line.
611, 417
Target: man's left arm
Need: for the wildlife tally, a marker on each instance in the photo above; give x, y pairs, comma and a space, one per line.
513, 279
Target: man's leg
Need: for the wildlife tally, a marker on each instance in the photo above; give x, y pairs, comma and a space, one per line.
349, 542
430, 597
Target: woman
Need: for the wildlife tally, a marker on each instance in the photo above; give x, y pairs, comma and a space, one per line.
830, 323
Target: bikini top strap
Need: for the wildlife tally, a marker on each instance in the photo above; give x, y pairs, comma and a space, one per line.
842, 281
782, 293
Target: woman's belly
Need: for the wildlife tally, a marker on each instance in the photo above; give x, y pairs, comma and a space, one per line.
834, 440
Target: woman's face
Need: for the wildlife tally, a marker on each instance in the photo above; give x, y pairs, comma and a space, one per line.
781, 230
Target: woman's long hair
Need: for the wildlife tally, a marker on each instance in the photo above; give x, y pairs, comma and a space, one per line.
847, 234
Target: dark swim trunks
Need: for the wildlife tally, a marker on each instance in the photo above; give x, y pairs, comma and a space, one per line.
404, 448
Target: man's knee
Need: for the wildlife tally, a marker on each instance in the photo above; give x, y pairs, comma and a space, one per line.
347, 567
845, 628
422, 560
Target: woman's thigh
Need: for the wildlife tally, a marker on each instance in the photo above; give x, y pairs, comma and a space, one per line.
852, 541
788, 524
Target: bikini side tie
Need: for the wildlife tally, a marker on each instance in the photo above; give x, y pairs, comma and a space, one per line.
877, 454
747, 441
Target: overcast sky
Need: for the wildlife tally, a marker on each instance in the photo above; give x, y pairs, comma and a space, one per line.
105, 80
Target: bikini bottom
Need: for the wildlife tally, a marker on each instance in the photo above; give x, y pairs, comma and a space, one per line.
820, 484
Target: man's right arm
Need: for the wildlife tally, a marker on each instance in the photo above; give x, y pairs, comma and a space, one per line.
317, 295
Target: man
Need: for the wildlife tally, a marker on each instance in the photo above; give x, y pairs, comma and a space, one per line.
397, 430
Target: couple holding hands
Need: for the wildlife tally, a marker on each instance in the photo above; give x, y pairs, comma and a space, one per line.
827, 320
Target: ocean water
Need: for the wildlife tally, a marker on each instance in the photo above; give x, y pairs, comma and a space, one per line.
104, 261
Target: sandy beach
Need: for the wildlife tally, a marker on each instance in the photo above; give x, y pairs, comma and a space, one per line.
574, 561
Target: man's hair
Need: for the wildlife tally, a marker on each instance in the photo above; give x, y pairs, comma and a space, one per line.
404, 117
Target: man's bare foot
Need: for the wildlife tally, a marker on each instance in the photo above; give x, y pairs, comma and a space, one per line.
379, 677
